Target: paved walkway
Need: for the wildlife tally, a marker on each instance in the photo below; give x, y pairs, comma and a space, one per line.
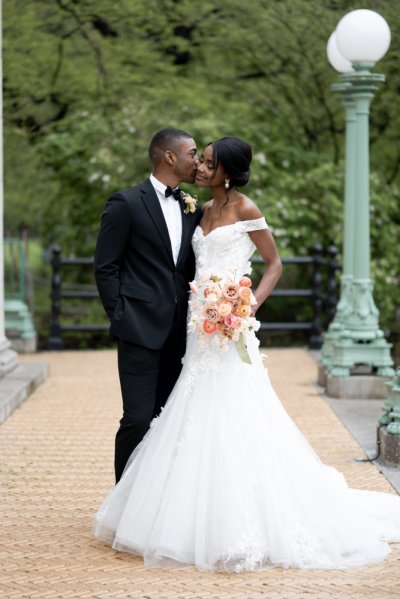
56, 454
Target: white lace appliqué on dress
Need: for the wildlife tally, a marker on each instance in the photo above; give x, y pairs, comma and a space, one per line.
226, 248
224, 480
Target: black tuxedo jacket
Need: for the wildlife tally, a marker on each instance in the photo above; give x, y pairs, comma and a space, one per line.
141, 288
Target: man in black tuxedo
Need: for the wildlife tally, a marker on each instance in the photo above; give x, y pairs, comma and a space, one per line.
143, 264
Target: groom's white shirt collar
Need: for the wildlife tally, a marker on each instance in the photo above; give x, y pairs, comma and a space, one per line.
158, 186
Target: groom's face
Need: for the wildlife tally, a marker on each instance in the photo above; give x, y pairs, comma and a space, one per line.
186, 159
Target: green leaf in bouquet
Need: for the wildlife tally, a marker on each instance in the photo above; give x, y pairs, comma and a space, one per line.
242, 349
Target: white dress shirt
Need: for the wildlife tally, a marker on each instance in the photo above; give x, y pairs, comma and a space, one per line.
172, 214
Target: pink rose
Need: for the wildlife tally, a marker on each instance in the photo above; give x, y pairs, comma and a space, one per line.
233, 321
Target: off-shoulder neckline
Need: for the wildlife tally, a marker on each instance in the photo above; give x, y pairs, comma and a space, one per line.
251, 220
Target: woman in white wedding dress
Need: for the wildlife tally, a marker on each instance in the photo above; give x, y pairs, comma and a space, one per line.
224, 480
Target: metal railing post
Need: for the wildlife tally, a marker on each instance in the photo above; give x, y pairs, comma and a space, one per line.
331, 288
55, 339
315, 340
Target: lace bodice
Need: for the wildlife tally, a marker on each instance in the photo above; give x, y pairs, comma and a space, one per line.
226, 248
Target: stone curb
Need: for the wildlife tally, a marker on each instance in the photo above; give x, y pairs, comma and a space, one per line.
17, 385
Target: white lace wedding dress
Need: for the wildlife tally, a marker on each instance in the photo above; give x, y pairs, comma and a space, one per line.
224, 480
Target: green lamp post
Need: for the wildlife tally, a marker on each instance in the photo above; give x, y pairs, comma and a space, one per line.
343, 309
361, 38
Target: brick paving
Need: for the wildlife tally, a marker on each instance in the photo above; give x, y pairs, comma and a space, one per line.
56, 454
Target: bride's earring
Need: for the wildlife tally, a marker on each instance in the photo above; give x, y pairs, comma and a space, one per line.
227, 183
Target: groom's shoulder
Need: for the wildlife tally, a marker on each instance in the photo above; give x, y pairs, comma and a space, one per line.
137, 189
133, 193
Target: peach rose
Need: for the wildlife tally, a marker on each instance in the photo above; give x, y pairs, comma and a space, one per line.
209, 327
231, 291
212, 289
243, 311
211, 312
225, 309
245, 294
245, 282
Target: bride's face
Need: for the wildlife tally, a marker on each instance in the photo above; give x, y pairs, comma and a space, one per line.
207, 175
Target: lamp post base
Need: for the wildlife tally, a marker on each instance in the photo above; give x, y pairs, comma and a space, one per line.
350, 350
331, 337
390, 448
391, 406
357, 386
354, 338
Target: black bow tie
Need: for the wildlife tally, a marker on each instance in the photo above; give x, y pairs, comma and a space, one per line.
175, 193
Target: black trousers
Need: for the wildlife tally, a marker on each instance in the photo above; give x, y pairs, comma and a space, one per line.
147, 378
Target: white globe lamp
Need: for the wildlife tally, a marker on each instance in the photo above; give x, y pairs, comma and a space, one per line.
363, 36
339, 62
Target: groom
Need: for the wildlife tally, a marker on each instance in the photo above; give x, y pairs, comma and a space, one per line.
143, 264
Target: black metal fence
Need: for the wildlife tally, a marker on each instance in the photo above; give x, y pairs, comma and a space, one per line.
322, 295
57, 329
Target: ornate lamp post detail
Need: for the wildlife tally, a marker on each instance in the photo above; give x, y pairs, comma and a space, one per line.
361, 38
391, 406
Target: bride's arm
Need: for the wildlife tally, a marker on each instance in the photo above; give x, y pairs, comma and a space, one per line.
265, 244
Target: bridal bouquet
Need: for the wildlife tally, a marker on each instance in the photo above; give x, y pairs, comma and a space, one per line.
221, 310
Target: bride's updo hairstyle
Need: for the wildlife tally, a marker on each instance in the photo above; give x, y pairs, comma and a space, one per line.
235, 156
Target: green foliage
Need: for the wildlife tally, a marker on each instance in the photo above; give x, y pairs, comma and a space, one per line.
385, 271
29, 184
88, 82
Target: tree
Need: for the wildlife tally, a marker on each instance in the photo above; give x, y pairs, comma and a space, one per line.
87, 83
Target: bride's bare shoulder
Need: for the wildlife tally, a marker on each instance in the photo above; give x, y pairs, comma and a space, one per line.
206, 206
248, 210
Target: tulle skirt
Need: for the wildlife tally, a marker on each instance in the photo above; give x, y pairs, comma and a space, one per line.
225, 481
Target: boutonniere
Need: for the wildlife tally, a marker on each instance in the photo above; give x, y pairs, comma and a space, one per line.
190, 202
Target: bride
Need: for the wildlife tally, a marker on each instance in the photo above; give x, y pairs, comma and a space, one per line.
224, 480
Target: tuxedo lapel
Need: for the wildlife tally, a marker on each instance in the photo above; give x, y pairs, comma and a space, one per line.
185, 231
152, 205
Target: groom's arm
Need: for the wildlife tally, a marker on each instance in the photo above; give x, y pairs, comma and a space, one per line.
110, 251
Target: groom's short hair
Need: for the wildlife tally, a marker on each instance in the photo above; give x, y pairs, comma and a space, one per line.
164, 140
